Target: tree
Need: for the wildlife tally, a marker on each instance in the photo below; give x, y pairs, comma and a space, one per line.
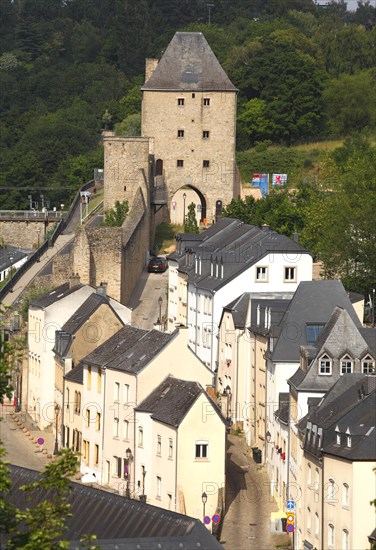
190, 223
115, 217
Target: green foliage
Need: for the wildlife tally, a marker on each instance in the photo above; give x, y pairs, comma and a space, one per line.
190, 222
28, 296
129, 127
115, 217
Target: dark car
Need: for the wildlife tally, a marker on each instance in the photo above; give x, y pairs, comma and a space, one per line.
157, 265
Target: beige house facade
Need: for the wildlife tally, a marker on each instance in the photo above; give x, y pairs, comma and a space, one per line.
185, 451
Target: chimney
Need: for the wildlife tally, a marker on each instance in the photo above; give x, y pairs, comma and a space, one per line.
150, 66
74, 280
102, 289
265, 227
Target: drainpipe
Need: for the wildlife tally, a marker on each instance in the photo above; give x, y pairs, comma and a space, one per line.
322, 502
62, 414
212, 332
196, 321
288, 450
254, 387
176, 469
103, 421
237, 374
266, 413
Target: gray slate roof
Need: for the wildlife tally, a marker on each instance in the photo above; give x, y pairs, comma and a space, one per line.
189, 64
350, 403
119, 523
54, 295
130, 349
76, 374
232, 244
313, 302
171, 400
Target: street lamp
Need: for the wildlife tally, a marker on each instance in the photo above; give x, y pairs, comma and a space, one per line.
11, 273
228, 393
184, 197
38, 231
18, 393
204, 498
57, 408
160, 300
128, 454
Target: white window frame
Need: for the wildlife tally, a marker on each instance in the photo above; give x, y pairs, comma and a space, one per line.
262, 273
346, 361
116, 428
345, 495
325, 357
159, 487
289, 272
125, 429
170, 448
331, 535
308, 518
368, 365
140, 436
317, 525
116, 392
126, 393
199, 450
345, 539
159, 445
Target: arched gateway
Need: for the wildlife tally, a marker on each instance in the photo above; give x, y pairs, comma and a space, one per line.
188, 129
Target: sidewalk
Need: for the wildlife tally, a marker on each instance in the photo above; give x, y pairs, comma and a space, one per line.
19, 438
246, 525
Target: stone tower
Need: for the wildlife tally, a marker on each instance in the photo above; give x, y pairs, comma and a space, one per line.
189, 115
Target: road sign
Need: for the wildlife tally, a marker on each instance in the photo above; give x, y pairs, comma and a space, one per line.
290, 505
40, 441
216, 518
290, 528
207, 520
290, 518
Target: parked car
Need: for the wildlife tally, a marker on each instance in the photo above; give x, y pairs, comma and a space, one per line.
157, 265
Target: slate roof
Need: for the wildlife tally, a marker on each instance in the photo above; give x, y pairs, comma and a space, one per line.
130, 349
311, 380
282, 413
54, 295
350, 403
64, 336
232, 244
313, 302
171, 400
118, 522
189, 64
76, 374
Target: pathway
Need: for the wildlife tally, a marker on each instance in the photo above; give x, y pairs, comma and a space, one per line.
246, 525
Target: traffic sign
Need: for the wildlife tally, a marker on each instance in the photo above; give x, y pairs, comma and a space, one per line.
207, 520
290, 528
40, 440
290, 505
290, 518
216, 518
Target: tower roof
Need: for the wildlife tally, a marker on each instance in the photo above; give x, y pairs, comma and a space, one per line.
189, 64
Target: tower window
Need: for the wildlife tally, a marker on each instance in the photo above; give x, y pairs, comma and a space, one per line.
180, 133
180, 101
193, 96
205, 134
206, 101
180, 163
205, 163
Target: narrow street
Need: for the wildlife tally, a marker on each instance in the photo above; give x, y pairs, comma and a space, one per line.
144, 300
246, 525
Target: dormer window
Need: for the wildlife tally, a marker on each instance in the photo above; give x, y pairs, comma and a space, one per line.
348, 441
346, 364
258, 315
338, 438
368, 365
325, 365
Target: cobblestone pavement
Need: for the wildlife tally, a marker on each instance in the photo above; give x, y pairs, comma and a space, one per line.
21, 447
144, 300
246, 524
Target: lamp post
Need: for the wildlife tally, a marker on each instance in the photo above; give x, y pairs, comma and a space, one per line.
184, 197
38, 231
128, 454
57, 408
160, 300
11, 273
18, 393
204, 498
228, 393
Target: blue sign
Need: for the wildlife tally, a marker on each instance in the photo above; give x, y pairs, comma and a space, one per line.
290, 505
207, 520
290, 528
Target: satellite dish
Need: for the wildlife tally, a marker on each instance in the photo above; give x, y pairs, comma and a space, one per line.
89, 478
